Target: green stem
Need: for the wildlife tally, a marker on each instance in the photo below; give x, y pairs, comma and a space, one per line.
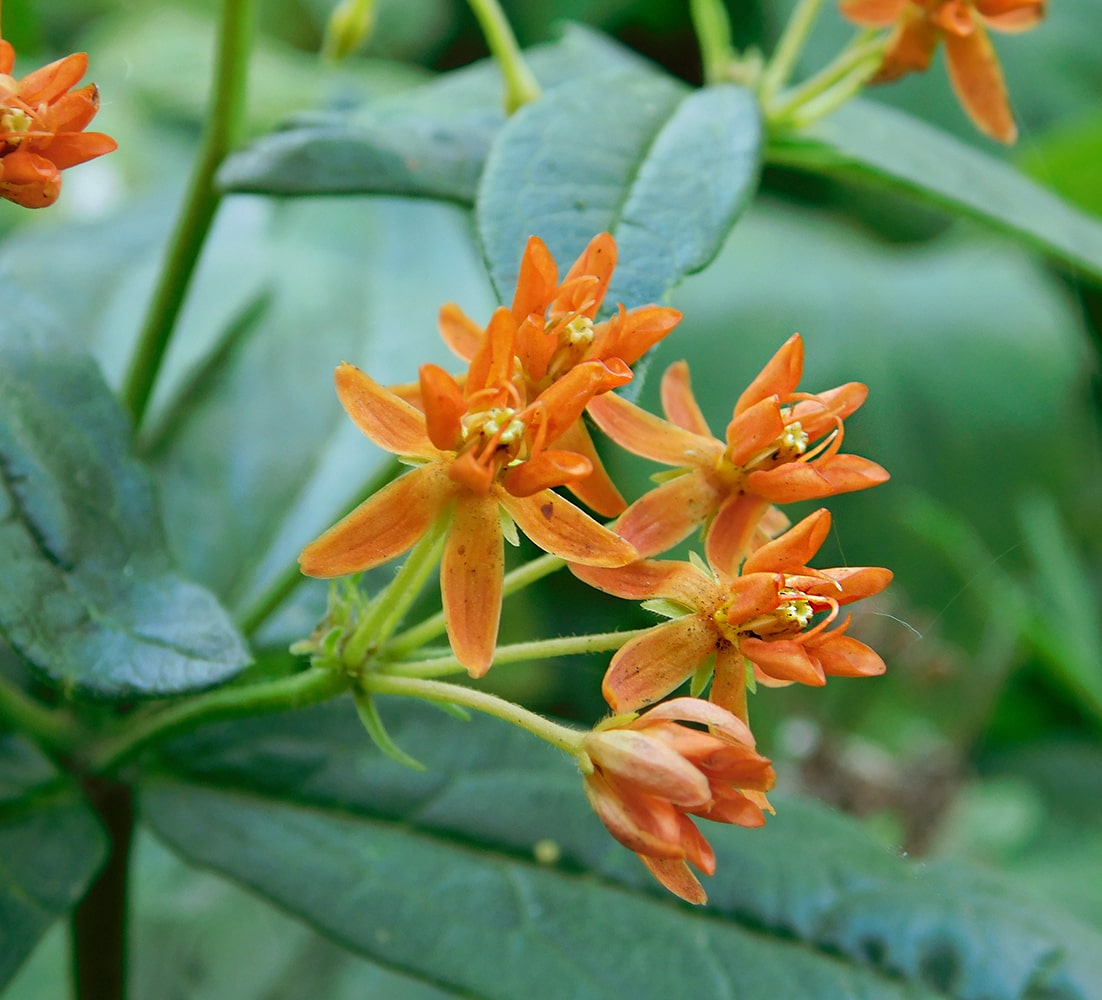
224, 123
423, 632
296, 691
713, 34
571, 645
98, 925
563, 737
789, 47
389, 607
833, 85
520, 85
50, 728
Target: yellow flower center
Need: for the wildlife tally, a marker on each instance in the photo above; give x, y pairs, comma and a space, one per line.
786, 448
786, 620
14, 121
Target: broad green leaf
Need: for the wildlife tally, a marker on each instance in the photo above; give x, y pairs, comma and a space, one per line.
434, 874
430, 141
50, 847
1067, 159
665, 169
89, 595
870, 142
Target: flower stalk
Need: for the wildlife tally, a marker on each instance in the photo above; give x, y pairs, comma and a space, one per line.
521, 86
791, 44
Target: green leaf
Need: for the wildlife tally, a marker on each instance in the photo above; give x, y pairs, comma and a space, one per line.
870, 142
50, 847
428, 142
433, 874
667, 170
88, 594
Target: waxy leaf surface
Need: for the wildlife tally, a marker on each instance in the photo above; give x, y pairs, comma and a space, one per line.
432, 873
667, 170
871, 142
88, 594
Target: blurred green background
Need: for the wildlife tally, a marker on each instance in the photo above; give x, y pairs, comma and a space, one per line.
981, 742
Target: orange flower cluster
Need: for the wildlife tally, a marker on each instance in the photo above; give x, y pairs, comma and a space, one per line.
494, 442
918, 26
42, 122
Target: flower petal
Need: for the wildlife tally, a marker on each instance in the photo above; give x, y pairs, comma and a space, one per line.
385, 525
597, 490
50, 82
650, 765
844, 656
73, 148
385, 418
715, 717
820, 415
444, 406
826, 477
755, 430
597, 260
461, 333
640, 823
978, 81
677, 877
565, 400
542, 471
734, 531
629, 335
650, 436
679, 403
728, 690
562, 529
471, 581
910, 47
645, 579
794, 549
873, 13
652, 665
536, 282
785, 660
493, 364
666, 515
29, 180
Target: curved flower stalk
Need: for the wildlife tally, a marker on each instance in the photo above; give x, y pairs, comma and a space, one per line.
781, 446
763, 617
557, 330
647, 775
482, 451
919, 25
42, 122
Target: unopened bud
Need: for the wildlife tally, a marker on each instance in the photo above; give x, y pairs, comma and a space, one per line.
350, 25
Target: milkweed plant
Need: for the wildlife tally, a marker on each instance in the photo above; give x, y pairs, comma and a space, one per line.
330, 707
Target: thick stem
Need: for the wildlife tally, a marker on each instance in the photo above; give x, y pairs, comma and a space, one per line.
224, 122
520, 85
98, 926
50, 728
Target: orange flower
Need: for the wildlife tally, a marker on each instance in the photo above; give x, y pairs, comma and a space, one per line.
768, 457
918, 26
556, 330
479, 451
42, 125
763, 617
650, 773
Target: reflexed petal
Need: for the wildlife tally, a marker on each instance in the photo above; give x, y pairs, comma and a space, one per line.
652, 437
652, 665
785, 660
471, 581
706, 713
628, 336
978, 81
873, 13
814, 480
779, 377
597, 491
677, 877
536, 282
644, 580
444, 406
698, 851
639, 822
384, 526
1011, 15
650, 765
844, 656
389, 421
50, 82
754, 430
679, 403
728, 688
739, 810
666, 515
547, 469
562, 529
461, 333
733, 532
794, 549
